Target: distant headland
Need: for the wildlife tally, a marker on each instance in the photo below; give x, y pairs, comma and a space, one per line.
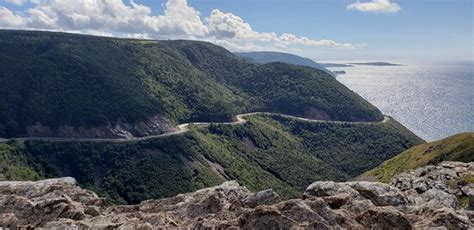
376, 63
329, 65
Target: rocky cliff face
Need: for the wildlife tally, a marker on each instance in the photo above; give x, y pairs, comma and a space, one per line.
425, 198
151, 126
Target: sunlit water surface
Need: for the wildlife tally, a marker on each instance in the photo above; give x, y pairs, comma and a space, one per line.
434, 101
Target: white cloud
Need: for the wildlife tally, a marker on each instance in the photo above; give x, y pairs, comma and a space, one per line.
228, 25
17, 2
179, 20
384, 6
292, 39
112, 16
8, 19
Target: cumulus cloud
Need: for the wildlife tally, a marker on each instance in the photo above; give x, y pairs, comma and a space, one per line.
384, 6
110, 16
17, 2
228, 25
179, 20
8, 19
290, 39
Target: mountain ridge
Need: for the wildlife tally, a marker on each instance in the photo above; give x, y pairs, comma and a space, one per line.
264, 57
59, 84
74, 87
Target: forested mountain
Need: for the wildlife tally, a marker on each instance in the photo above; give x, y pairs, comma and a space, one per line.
56, 84
459, 147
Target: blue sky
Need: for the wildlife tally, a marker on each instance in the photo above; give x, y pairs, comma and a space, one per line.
421, 30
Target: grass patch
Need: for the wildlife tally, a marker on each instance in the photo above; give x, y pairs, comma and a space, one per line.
459, 147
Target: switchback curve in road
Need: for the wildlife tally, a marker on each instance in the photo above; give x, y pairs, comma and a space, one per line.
183, 128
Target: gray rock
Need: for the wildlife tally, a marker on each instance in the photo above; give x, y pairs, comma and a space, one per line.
417, 199
260, 198
384, 218
329, 188
469, 192
438, 184
153, 125
380, 194
438, 198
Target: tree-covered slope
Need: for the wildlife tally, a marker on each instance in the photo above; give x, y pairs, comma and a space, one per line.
56, 84
15, 165
266, 152
459, 147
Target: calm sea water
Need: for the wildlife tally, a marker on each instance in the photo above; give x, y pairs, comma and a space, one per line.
432, 100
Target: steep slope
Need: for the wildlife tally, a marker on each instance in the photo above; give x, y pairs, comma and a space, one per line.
459, 147
268, 56
266, 152
56, 84
14, 165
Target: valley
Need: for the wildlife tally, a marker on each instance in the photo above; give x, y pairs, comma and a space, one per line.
137, 119
267, 151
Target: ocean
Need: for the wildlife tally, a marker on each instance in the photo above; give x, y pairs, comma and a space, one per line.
432, 100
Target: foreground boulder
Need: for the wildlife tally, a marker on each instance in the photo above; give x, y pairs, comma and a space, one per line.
59, 203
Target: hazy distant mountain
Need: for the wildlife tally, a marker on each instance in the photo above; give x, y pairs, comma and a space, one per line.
267, 57
375, 63
328, 65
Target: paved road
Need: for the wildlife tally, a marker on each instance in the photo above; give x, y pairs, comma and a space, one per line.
183, 128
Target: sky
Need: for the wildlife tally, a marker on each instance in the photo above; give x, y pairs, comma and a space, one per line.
378, 30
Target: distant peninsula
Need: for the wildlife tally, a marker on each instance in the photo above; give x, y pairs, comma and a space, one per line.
329, 65
339, 72
375, 63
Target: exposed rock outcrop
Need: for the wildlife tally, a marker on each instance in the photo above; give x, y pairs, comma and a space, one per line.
442, 183
419, 199
155, 125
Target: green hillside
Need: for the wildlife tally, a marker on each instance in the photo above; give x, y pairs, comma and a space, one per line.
15, 165
58, 83
459, 147
266, 152
66, 81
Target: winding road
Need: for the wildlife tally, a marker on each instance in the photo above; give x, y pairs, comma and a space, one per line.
183, 128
